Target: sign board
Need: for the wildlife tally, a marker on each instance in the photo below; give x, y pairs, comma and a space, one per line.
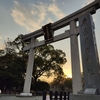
48, 33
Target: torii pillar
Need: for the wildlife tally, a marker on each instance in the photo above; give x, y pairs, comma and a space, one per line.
27, 83
76, 75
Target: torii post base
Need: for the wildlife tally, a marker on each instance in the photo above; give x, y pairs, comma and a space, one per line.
84, 97
26, 94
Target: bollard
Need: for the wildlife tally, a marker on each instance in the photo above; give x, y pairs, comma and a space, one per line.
44, 95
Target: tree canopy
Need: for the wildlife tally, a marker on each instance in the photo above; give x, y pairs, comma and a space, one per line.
61, 82
13, 62
48, 62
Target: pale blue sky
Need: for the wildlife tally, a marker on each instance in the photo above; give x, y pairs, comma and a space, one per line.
25, 16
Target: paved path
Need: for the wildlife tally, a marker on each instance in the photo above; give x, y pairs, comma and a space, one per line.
20, 98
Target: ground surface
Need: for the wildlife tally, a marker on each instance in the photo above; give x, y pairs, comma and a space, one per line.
20, 98
9, 97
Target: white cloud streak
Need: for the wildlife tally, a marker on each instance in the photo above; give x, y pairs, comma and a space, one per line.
34, 16
87, 2
2, 46
55, 10
0, 37
54, 0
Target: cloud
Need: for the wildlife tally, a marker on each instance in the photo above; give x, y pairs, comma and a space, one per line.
0, 37
2, 46
87, 2
24, 17
34, 15
53, 8
54, 0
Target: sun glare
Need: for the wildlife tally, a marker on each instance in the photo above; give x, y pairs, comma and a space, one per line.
68, 73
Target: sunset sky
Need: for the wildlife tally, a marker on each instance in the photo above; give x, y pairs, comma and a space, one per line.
25, 16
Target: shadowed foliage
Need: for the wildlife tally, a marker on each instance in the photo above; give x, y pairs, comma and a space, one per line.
13, 62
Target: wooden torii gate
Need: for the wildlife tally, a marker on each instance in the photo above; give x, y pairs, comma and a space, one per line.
72, 33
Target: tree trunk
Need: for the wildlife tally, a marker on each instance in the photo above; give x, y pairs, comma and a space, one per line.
34, 82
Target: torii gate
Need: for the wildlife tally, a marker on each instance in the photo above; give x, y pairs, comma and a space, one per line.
72, 33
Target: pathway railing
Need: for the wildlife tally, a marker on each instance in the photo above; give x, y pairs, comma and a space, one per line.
56, 95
